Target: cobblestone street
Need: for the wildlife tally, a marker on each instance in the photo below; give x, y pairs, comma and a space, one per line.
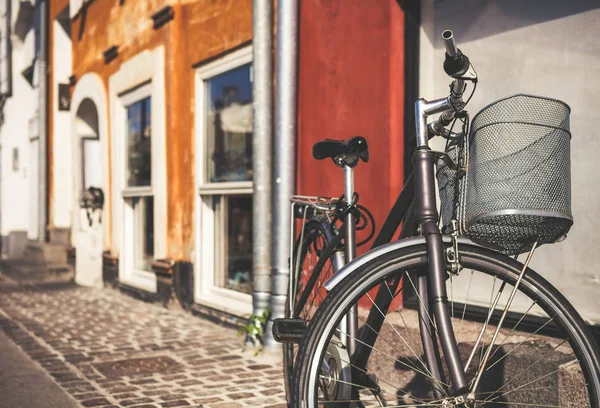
106, 349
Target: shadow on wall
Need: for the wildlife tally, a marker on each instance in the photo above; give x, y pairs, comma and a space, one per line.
475, 19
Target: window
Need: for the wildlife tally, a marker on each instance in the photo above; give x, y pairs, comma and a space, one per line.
139, 172
138, 192
224, 174
139, 143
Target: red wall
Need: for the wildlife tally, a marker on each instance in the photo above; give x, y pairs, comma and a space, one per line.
351, 82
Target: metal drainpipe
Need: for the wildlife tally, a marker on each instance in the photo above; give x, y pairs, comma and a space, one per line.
285, 154
262, 88
43, 119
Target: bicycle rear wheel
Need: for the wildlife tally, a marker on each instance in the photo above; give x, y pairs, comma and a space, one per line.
526, 368
313, 268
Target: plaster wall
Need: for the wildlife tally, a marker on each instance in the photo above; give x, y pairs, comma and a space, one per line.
550, 50
16, 172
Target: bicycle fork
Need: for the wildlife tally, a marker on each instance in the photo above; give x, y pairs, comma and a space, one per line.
427, 217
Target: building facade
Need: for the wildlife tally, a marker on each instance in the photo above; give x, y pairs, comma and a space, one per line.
149, 182
160, 121
19, 133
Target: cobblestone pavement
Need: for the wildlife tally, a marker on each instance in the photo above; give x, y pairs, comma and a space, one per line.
106, 349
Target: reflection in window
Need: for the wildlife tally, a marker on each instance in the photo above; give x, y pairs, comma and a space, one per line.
139, 155
143, 208
230, 126
234, 239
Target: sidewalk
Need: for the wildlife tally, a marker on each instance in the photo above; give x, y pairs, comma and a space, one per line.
24, 384
105, 349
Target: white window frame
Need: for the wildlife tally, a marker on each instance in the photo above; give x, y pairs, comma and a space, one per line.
205, 291
137, 78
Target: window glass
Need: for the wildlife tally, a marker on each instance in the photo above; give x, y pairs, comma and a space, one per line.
139, 152
143, 208
233, 236
229, 142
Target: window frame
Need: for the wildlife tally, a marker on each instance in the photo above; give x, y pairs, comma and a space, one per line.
206, 292
140, 76
130, 194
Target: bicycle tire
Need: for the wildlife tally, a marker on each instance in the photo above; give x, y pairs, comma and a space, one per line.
314, 241
490, 263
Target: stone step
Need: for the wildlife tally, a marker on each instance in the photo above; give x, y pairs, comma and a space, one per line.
46, 253
24, 270
60, 236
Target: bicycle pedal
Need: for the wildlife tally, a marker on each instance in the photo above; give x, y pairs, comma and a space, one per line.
289, 330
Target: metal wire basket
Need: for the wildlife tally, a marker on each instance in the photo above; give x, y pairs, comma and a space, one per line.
513, 184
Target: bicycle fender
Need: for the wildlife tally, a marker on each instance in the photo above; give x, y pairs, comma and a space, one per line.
360, 261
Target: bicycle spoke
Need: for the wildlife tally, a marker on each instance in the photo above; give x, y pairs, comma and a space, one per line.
533, 365
392, 357
524, 385
462, 319
504, 313
412, 367
485, 325
383, 381
513, 330
451, 298
525, 404
400, 336
527, 390
518, 345
491, 310
421, 302
436, 403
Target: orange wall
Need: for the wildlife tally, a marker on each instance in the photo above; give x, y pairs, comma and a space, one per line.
351, 82
200, 30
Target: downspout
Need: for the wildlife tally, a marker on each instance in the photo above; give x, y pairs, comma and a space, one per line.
285, 154
412, 55
43, 119
262, 89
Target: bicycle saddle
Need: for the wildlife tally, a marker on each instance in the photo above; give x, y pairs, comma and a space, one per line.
342, 152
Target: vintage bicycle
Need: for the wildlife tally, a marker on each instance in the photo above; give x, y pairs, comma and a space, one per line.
504, 190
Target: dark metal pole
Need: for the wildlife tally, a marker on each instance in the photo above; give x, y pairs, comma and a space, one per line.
262, 88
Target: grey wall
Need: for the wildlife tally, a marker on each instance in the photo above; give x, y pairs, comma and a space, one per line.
549, 48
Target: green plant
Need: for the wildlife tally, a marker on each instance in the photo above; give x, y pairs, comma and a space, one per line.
255, 328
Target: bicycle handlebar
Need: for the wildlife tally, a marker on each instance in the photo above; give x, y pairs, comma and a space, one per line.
457, 66
449, 44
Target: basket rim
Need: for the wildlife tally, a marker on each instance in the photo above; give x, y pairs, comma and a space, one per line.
537, 213
520, 122
516, 95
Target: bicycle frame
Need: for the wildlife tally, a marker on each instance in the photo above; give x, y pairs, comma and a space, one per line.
416, 206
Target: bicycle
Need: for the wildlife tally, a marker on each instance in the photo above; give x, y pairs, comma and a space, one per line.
323, 245
435, 357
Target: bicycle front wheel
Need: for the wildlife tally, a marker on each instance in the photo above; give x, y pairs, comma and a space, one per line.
542, 356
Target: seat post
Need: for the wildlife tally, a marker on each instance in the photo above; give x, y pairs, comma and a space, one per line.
350, 254
350, 238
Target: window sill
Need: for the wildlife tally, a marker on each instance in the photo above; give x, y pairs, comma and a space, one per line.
232, 187
231, 302
140, 280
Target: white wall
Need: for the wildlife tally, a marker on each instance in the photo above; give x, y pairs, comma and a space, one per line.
548, 48
14, 133
62, 193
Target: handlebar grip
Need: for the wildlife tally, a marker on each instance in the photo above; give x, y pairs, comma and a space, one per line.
456, 64
449, 43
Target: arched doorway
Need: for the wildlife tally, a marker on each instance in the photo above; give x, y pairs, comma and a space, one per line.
89, 190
